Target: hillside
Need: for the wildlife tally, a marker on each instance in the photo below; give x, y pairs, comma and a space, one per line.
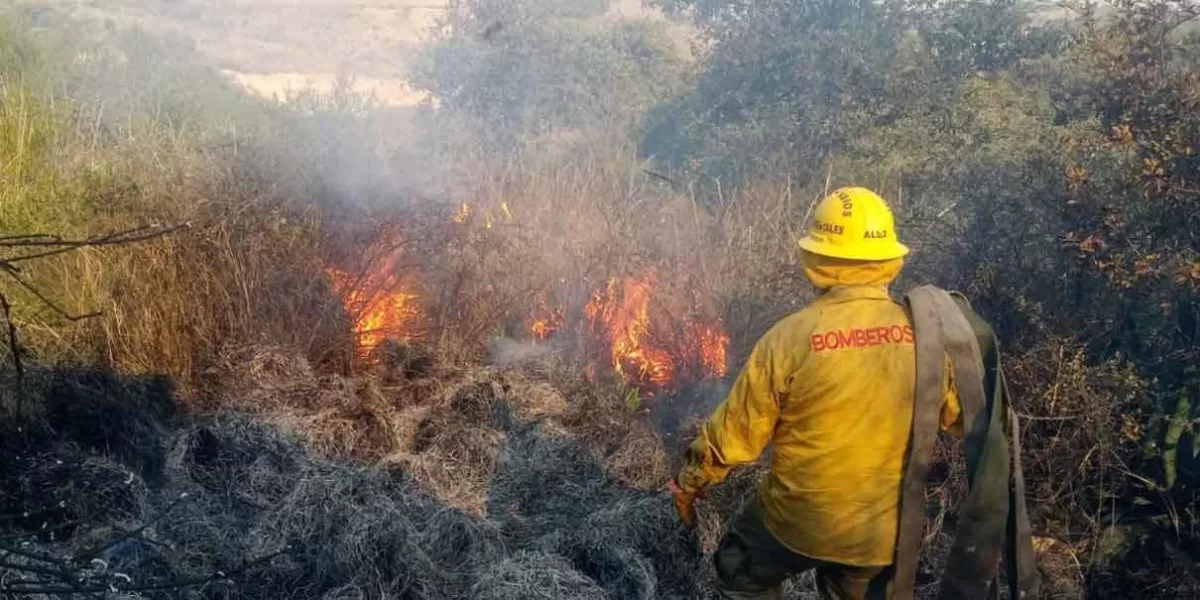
275, 47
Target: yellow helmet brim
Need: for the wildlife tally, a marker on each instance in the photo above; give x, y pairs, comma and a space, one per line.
873, 252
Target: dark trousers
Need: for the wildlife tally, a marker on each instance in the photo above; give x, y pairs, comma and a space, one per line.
752, 565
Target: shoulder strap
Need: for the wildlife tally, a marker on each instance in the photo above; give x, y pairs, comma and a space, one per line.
974, 562
931, 362
1024, 580
994, 511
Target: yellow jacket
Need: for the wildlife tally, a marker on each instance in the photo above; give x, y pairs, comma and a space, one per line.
832, 387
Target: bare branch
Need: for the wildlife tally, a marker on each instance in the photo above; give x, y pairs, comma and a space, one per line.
52, 245
674, 184
28, 589
46, 558
130, 236
9, 240
14, 347
47, 240
64, 313
131, 533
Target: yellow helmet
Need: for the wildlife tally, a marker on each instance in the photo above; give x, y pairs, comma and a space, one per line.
856, 224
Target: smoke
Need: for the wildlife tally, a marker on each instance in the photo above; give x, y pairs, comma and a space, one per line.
273, 102
510, 352
678, 417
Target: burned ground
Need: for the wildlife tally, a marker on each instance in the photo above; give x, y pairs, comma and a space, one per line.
477, 482
157, 504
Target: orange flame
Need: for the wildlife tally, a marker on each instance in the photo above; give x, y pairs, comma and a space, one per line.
464, 213
382, 302
649, 353
714, 345
545, 325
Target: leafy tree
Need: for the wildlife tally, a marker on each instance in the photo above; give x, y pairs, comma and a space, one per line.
781, 76
1134, 196
523, 67
804, 77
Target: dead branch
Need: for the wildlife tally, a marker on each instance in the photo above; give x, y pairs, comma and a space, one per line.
45, 558
39, 532
48, 245
675, 186
62, 312
30, 588
27, 236
131, 533
14, 347
61, 569
59, 573
59, 246
62, 575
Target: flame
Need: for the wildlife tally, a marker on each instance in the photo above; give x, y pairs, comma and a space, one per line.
651, 353
464, 213
714, 345
381, 301
622, 310
547, 323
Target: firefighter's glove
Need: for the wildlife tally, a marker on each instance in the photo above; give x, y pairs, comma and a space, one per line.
685, 503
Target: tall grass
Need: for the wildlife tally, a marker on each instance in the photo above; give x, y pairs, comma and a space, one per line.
78, 160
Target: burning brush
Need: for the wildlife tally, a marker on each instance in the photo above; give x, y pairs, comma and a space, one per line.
381, 299
654, 343
652, 334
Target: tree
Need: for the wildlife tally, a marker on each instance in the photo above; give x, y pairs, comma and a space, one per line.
522, 67
802, 78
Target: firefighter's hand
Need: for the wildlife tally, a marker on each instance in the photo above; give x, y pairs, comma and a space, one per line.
685, 503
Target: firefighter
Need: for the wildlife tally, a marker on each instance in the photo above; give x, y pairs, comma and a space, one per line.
831, 387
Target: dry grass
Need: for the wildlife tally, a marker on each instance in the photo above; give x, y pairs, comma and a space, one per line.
640, 460
444, 425
1070, 409
545, 576
1079, 431
212, 295
223, 491
457, 468
454, 432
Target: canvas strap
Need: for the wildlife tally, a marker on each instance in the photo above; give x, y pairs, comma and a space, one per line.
993, 518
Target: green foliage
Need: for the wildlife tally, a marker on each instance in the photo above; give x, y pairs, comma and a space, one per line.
1050, 167
1177, 424
1125, 211
537, 70
781, 76
633, 400
805, 78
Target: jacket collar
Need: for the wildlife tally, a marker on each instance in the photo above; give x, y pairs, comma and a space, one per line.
843, 293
